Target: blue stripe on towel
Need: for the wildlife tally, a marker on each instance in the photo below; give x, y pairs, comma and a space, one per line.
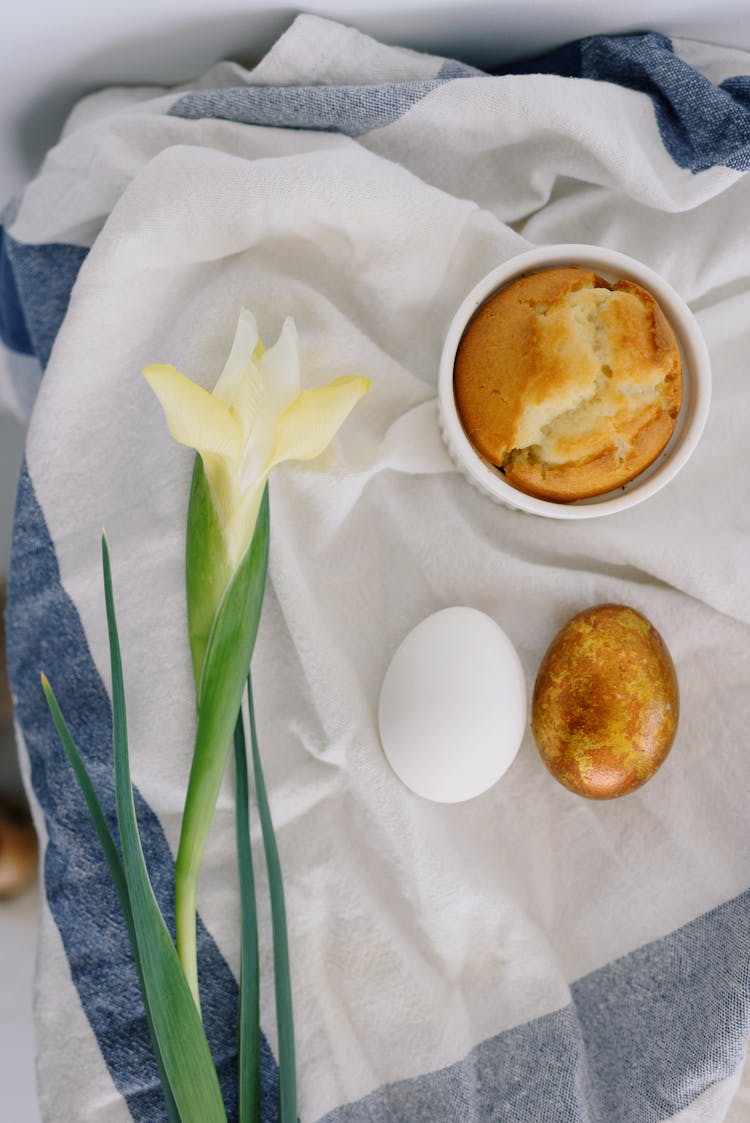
643, 1038
665, 1023
564, 61
532, 1074
701, 125
45, 633
44, 276
352, 110
14, 332
451, 68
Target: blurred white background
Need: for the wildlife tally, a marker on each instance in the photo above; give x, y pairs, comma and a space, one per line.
51, 53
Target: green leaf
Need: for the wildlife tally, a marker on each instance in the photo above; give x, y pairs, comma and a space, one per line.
225, 667
116, 871
207, 569
177, 1026
282, 979
248, 1018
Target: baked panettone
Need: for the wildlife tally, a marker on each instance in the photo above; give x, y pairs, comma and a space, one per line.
569, 385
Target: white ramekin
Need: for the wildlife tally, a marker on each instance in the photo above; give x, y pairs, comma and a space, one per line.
696, 373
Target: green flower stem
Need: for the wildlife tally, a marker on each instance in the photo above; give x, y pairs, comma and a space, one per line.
248, 1014
207, 569
185, 902
189, 1080
225, 664
282, 977
206, 775
178, 1032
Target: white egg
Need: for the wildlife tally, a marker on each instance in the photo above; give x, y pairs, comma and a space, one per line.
453, 706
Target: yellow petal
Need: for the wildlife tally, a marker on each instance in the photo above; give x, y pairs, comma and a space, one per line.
195, 418
311, 422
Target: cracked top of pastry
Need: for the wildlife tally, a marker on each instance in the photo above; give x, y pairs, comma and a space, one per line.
569, 385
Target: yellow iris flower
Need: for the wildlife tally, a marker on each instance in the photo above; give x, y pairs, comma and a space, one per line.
256, 417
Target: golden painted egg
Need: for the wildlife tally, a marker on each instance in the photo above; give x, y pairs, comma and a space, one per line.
606, 702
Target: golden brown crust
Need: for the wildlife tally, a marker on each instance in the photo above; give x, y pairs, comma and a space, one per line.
570, 385
606, 702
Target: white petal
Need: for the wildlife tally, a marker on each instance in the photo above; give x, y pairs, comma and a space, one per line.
280, 385
245, 342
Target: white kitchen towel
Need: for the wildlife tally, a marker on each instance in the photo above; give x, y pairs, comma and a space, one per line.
528, 956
